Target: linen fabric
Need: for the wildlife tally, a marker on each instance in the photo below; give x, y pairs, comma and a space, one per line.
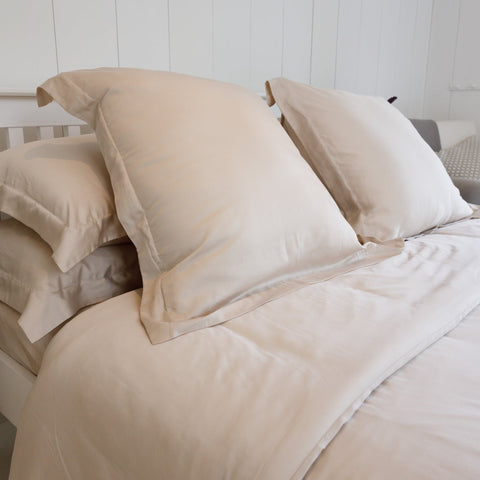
32, 284
387, 181
15, 343
211, 190
422, 423
262, 395
61, 189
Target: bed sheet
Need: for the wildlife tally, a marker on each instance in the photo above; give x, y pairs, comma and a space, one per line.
260, 396
422, 423
15, 343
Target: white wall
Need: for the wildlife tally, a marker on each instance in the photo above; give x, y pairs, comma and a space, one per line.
368, 46
454, 61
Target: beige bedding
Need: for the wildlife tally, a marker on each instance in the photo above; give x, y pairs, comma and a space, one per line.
15, 343
262, 395
430, 430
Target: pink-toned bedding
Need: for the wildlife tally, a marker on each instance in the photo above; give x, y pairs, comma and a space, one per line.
263, 396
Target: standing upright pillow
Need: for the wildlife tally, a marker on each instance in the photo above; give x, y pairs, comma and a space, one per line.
386, 179
210, 189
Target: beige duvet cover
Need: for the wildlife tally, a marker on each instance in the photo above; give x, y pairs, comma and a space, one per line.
261, 396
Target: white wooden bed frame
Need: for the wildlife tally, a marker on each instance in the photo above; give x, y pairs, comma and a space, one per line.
18, 109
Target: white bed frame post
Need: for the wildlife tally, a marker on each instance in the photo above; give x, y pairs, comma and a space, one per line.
18, 109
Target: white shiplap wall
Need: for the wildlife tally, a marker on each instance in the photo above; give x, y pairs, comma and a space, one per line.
453, 60
367, 46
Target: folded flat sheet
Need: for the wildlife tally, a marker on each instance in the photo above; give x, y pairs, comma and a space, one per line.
15, 343
258, 397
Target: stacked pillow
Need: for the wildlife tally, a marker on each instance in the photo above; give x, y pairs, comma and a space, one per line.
53, 258
222, 208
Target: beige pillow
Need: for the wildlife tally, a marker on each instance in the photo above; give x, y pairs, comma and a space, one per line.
32, 284
211, 190
386, 179
61, 189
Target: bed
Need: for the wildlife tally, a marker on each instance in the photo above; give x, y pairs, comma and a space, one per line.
370, 357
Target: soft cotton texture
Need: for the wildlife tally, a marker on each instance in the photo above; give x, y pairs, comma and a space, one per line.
61, 189
32, 284
211, 190
15, 343
261, 396
386, 179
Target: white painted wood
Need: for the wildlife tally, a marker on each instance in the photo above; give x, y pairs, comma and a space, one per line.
369, 46
71, 130
266, 42
388, 66
27, 43
297, 39
404, 48
191, 37
24, 112
231, 41
143, 34
14, 137
465, 106
349, 29
466, 67
43, 133
441, 60
16, 384
13, 92
324, 43
420, 57
86, 34
466, 72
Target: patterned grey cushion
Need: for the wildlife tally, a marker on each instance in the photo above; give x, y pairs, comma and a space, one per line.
463, 164
463, 160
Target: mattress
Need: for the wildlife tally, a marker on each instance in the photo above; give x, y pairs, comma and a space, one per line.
266, 395
15, 343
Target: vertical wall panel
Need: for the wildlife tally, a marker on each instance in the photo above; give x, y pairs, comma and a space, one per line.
27, 43
349, 32
324, 43
191, 37
466, 104
467, 66
369, 46
441, 58
420, 57
404, 48
231, 41
297, 39
86, 34
143, 34
266, 44
388, 68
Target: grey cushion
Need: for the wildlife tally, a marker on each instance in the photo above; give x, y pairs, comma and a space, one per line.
463, 164
469, 189
428, 129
